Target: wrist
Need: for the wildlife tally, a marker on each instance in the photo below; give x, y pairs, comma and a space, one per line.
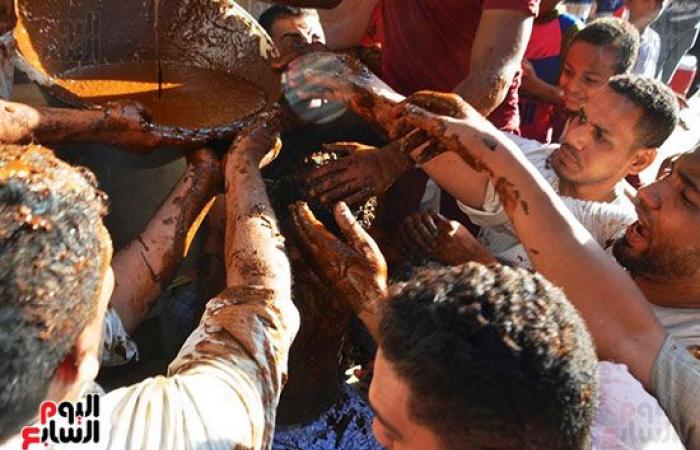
393, 161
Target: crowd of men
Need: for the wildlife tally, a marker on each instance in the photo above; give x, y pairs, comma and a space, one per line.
447, 199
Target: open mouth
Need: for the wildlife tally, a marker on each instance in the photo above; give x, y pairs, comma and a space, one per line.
637, 233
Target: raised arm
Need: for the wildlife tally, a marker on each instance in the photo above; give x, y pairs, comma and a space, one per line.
495, 62
615, 310
228, 376
145, 267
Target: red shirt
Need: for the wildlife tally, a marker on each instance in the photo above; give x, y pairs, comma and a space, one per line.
427, 45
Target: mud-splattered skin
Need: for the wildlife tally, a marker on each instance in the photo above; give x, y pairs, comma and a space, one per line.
147, 265
354, 266
510, 196
363, 172
124, 124
343, 78
431, 235
316, 356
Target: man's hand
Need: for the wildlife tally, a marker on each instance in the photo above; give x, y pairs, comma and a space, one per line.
445, 241
365, 172
355, 268
342, 78
259, 142
128, 124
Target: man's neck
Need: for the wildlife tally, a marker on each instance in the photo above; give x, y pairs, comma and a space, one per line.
596, 192
671, 293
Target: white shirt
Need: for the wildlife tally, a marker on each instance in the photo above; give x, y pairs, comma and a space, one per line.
221, 391
628, 417
604, 221
649, 51
682, 323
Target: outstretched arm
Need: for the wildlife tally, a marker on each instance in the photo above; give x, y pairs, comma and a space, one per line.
615, 310
145, 267
124, 124
228, 376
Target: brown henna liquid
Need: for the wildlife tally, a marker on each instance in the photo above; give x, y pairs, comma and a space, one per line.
191, 97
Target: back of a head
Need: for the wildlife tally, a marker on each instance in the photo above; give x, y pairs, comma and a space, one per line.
494, 357
657, 102
52, 253
615, 35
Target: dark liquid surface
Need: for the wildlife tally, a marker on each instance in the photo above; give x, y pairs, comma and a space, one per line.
191, 97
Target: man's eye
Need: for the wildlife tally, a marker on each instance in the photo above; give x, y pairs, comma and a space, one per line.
688, 202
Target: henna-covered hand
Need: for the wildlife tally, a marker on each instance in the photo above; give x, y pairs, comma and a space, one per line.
466, 135
445, 241
259, 142
364, 172
411, 139
355, 268
339, 77
128, 124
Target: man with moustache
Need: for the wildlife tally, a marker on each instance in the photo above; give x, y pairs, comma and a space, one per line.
662, 254
615, 134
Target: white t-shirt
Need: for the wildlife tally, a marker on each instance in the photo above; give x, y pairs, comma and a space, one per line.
221, 391
649, 51
604, 221
682, 323
628, 417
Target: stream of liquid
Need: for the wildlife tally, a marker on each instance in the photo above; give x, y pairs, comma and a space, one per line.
178, 96
159, 68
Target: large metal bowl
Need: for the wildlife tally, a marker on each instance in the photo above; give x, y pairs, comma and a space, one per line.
59, 36
56, 36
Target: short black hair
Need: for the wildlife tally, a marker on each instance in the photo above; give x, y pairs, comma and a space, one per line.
52, 248
658, 103
614, 34
493, 356
268, 17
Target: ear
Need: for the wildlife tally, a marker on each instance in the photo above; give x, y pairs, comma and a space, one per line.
641, 160
64, 379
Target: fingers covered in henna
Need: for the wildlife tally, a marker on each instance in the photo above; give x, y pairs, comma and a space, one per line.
356, 270
365, 172
360, 240
433, 236
419, 234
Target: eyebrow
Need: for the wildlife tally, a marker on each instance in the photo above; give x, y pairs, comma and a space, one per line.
386, 424
600, 129
688, 180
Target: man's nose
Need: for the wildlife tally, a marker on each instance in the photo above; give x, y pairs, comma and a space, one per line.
577, 137
651, 195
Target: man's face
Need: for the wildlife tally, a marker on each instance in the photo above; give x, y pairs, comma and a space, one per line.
393, 426
289, 33
598, 145
664, 243
586, 70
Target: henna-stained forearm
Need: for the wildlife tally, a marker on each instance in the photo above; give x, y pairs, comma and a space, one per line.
147, 265
23, 124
